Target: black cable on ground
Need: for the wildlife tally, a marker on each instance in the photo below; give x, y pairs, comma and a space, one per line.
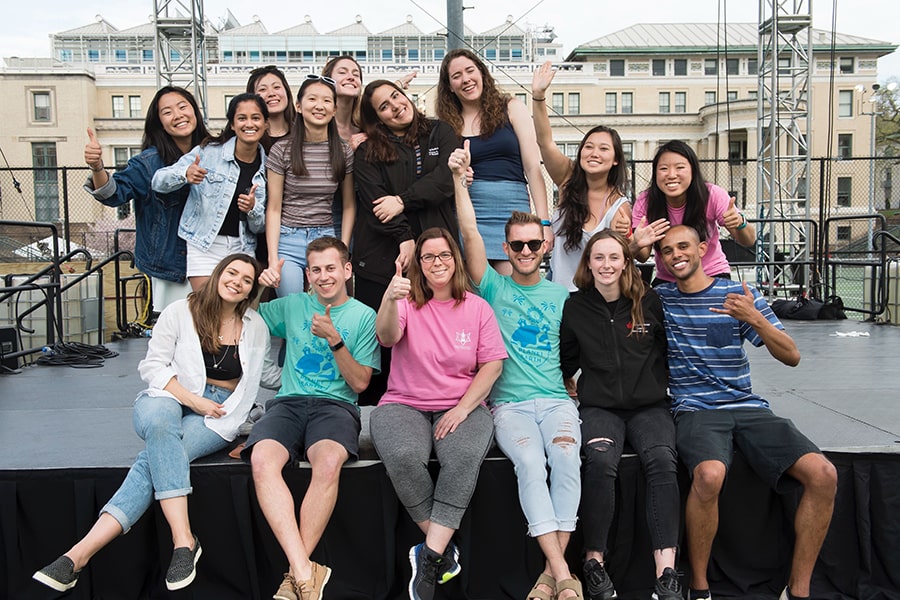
76, 355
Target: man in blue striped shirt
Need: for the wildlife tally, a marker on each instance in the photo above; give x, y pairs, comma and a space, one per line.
707, 320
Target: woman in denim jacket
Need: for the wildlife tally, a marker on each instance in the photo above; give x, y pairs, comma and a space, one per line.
226, 206
171, 128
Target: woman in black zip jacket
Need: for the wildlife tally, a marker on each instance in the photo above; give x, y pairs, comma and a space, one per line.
612, 329
404, 187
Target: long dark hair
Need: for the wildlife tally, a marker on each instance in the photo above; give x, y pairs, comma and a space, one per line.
573, 202
290, 112
630, 283
419, 290
380, 144
336, 154
205, 304
494, 103
697, 193
228, 131
155, 135
328, 71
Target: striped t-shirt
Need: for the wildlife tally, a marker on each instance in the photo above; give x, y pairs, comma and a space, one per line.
708, 368
307, 201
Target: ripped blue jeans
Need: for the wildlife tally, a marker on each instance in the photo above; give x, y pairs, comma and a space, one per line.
535, 435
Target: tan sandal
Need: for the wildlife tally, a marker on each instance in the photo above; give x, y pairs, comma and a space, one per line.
571, 584
538, 594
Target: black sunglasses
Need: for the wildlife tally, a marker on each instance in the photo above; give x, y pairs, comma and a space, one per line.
519, 245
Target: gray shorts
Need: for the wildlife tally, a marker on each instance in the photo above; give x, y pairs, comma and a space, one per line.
770, 444
298, 422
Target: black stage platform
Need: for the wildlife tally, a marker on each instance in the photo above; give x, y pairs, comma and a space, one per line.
66, 441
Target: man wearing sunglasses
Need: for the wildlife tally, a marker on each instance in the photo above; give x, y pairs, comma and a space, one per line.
535, 421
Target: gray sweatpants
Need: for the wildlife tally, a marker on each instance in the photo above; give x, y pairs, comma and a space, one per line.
404, 436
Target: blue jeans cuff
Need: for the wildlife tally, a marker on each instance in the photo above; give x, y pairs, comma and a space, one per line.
172, 493
116, 513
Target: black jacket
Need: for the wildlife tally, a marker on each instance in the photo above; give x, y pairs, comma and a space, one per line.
618, 371
427, 201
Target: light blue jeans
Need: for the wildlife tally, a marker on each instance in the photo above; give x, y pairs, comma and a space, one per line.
175, 435
535, 434
292, 248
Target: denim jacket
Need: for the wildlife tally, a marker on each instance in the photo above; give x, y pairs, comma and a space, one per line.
158, 251
209, 200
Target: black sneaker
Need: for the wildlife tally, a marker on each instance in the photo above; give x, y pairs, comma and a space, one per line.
449, 567
425, 565
183, 567
598, 585
699, 594
59, 575
667, 586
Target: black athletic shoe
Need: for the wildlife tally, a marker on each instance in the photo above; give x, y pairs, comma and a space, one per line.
597, 584
60, 574
667, 586
183, 567
449, 567
425, 565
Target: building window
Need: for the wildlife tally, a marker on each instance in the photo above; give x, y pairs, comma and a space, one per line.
504, 54
516, 53
627, 103
801, 188
523, 98
737, 152
659, 67
664, 102
752, 94
118, 107
121, 55
175, 55
732, 95
732, 66
412, 54
122, 154
93, 56
46, 184
387, 54
709, 98
570, 150
784, 65
147, 55
439, 53
228, 99
134, 107
628, 151
843, 233
617, 67
846, 65
680, 102
680, 67
611, 101
557, 101
710, 66
845, 145
752, 66
574, 103
42, 112
844, 187
845, 103
65, 55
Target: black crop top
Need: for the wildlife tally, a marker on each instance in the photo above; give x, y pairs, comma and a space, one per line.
224, 366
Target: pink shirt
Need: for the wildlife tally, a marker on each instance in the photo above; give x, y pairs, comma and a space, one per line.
435, 361
714, 261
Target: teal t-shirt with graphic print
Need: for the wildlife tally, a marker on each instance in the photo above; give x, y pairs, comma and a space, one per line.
309, 366
529, 318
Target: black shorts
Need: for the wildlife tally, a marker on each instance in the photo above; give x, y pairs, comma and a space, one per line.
770, 444
298, 422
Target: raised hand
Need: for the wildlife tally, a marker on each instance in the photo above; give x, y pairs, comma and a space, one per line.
407, 79
93, 153
460, 159
271, 275
646, 235
195, 173
732, 217
399, 286
247, 201
541, 80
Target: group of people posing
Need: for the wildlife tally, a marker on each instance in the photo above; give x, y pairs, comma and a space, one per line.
451, 328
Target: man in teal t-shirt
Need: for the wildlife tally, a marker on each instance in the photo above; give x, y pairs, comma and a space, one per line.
535, 421
331, 353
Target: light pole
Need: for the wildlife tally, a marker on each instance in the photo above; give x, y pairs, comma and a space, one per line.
871, 114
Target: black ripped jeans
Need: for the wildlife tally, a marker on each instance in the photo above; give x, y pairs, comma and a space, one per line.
651, 433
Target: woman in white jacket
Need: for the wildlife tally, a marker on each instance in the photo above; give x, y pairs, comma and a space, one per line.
205, 362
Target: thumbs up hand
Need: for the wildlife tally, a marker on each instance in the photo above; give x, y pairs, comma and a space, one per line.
400, 285
93, 153
732, 217
247, 201
323, 327
195, 173
460, 160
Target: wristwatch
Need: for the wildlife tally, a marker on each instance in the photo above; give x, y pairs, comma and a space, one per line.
337, 346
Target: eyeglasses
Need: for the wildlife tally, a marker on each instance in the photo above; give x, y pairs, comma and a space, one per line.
430, 258
315, 77
519, 245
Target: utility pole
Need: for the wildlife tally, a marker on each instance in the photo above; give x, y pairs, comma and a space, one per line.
455, 29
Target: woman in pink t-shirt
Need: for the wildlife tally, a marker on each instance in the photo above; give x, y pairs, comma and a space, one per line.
447, 353
679, 195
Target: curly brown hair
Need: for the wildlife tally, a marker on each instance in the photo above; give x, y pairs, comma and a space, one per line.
380, 147
494, 103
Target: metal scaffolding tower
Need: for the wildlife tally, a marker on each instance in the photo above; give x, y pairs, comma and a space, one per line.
181, 47
783, 126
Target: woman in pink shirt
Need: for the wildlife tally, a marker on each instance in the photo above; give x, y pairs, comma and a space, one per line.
679, 195
447, 353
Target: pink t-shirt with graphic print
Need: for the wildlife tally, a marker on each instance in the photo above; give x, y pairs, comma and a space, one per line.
435, 361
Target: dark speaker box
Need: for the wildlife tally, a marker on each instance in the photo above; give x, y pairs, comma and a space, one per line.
9, 344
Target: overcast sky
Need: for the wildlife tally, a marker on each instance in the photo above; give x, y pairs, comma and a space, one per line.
576, 21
